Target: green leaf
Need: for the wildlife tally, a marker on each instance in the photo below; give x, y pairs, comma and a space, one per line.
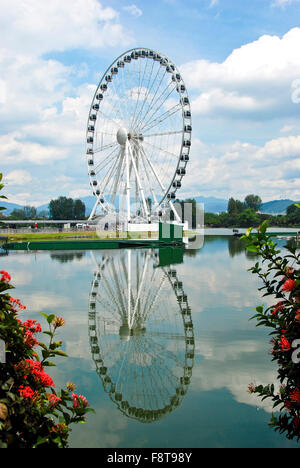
50, 318
252, 248
60, 353
49, 364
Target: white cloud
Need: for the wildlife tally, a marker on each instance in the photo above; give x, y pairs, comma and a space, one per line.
254, 79
133, 10
282, 3
15, 150
18, 177
271, 170
39, 27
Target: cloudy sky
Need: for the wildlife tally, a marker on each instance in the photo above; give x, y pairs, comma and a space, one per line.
240, 62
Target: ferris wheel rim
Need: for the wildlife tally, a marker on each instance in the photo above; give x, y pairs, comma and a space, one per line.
170, 190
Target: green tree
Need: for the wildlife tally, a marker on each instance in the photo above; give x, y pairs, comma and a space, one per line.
235, 207
293, 214
18, 214
248, 218
79, 209
28, 212
62, 208
254, 202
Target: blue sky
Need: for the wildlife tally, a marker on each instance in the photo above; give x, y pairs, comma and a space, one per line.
240, 62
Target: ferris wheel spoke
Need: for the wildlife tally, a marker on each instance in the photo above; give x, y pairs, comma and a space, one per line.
147, 94
157, 109
163, 117
119, 105
108, 176
153, 103
110, 119
138, 98
152, 86
143, 152
161, 149
141, 87
154, 95
107, 159
179, 132
105, 147
149, 179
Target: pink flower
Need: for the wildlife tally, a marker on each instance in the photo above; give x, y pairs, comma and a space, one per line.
79, 401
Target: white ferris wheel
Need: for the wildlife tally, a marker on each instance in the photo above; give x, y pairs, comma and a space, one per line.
138, 137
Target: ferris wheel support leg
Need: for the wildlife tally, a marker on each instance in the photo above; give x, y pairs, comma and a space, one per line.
129, 289
127, 182
139, 184
94, 210
179, 220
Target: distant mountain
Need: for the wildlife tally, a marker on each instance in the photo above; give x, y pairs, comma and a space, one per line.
9, 207
276, 206
211, 205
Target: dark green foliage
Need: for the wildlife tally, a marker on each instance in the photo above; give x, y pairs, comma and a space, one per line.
64, 208
280, 276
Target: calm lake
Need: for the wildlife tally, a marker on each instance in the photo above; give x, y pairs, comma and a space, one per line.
164, 354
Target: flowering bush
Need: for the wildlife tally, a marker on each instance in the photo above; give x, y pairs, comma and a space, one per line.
280, 275
32, 413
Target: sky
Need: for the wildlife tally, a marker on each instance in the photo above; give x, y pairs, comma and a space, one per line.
240, 61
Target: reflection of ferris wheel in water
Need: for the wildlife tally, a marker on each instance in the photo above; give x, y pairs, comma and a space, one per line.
141, 334
138, 136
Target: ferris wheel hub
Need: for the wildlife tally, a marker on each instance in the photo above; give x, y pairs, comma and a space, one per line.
122, 136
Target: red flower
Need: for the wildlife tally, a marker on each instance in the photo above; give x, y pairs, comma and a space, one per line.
298, 315
33, 326
53, 399
285, 345
35, 369
16, 303
26, 392
30, 340
295, 396
278, 308
289, 285
5, 277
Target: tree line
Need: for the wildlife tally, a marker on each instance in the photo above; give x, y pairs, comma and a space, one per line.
62, 208
246, 213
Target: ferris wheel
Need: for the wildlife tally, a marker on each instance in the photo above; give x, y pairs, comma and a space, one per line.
138, 136
141, 334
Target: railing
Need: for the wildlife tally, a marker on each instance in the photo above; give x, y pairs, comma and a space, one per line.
46, 230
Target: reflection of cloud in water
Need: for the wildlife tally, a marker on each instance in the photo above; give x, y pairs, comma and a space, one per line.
41, 301
233, 364
22, 278
107, 428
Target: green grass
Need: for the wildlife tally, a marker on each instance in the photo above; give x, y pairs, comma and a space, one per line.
44, 236
81, 235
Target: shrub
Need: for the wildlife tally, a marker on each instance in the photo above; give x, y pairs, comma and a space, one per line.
32, 413
280, 276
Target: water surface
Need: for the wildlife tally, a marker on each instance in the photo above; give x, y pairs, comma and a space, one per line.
159, 341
